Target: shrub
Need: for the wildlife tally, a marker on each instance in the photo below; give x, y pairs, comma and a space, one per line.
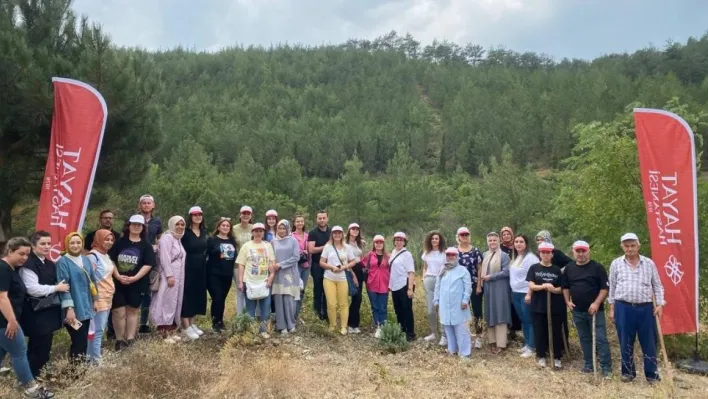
393, 339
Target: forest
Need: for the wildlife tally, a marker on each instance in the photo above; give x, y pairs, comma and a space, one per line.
391, 133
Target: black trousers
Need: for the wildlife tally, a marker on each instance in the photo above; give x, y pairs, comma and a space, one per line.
403, 306
79, 341
319, 302
218, 287
540, 334
38, 349
355, 304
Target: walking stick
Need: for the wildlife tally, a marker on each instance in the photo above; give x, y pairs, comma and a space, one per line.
550, 327
594, 350
663, 349
565, 338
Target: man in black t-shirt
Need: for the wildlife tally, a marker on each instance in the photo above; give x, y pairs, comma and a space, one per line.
585, 288
317, 238
106, 222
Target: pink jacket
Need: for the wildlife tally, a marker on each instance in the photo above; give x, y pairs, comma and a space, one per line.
379, 275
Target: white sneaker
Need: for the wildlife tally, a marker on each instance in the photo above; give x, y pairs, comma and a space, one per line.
190, 334
265, 335
529, 353
284, 333
542, 362
356, 330
292, 330
377, 334
196, 329
523, 349
443, 341
350, 330
5, 370
430, 338
557, 364
478, 343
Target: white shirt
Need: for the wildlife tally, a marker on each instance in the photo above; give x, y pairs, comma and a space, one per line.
435, 261
519, 269
401, 266
635, 284
329, 254
34, 288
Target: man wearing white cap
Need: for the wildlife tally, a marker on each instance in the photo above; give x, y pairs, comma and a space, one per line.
634, 284
585, 288
146, 206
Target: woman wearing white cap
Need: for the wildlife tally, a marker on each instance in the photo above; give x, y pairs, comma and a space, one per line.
453, 287
255, 260
471, 259
134, 256
337, 258
270, 224
402, 284
433, 262
494, 279
356, 243
379, 275
242, 234
195, 292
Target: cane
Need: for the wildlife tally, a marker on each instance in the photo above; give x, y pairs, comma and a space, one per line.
594, 350
550, 327
663, 349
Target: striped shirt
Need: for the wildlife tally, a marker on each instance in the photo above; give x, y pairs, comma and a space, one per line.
635, 284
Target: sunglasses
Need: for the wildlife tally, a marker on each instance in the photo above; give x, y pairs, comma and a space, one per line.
465, 235
246, 213
545, 252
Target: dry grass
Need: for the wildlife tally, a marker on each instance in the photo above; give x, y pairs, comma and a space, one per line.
314, 363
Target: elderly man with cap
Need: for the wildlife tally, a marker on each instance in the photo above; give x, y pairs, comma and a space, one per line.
634, 286
585, 288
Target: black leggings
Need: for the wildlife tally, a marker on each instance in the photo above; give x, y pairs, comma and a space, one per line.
403, 305
79, 341
355, 305
218, 287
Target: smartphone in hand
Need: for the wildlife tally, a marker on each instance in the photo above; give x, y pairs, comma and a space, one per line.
76, 325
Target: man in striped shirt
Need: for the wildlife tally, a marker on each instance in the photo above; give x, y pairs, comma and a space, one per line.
634, 282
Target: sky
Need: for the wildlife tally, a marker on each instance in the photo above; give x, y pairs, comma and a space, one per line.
560, 28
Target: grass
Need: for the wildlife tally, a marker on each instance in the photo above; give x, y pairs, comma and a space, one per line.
315, 363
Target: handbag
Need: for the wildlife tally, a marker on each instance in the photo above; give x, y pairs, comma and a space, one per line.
353, 289
304, 257
256, 291
46, 302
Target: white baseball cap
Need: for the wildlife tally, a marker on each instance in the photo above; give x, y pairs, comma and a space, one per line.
451, 251
337, 228
271, 212
137, 219
580, 244
628, 237
379, 238
353, 226
400, 234
463, 230
545, 246
195, 210
246, 208
258, 226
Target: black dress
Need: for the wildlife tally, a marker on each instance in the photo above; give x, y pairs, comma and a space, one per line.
194, 301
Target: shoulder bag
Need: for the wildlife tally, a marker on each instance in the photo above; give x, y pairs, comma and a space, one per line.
353, 289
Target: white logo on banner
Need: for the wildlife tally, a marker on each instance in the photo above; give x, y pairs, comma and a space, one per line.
673, 270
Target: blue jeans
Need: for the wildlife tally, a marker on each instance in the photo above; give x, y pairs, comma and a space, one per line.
304, 274
524, 312
100, 320
263, 306
17, 348
633, 321
379, 307
583, 323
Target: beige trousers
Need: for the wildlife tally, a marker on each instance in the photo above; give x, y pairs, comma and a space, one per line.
497, 335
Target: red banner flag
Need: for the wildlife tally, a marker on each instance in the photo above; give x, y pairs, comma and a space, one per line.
77, 132
667, 160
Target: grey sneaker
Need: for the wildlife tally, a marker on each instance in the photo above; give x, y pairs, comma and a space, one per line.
38, 392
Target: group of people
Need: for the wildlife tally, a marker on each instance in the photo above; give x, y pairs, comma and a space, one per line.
120, 283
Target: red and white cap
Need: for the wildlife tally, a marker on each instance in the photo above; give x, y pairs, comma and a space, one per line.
400, 234
246, 209
353, 226
195, 210
379, 238
580, 244
545, 246
463, 230
452, 251
258, 226
337, 228
271, 212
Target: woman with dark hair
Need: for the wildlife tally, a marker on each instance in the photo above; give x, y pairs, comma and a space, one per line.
433, 263
194, 242
41, 313
134, 256
518, 271
242, 235
104, 271
221, 259
356, 243
12, 298
379, 275
303, 265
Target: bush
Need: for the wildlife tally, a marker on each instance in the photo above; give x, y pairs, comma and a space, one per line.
243, 323
393, 339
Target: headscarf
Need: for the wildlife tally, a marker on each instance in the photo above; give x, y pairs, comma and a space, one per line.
501, 233
99, 239
67, 239
285, 223
449, 265
492, 259
172, 224
546, 235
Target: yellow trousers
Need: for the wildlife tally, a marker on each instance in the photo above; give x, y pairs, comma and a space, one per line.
337, 294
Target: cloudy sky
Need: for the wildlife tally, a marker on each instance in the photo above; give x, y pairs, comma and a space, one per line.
561, 28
